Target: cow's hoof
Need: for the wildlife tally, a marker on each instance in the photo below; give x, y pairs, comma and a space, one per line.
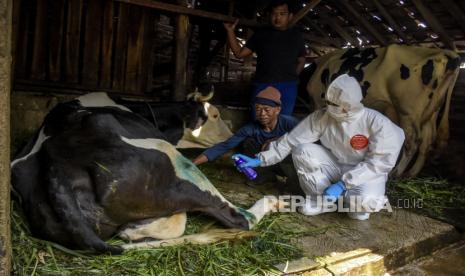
105, 248
115, 249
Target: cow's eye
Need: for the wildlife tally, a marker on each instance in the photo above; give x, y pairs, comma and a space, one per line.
215, 116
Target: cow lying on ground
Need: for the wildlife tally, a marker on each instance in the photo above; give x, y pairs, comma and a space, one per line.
410, 85
96, 169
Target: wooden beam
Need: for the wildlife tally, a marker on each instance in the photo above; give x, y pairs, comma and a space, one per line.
456, 12
315, 26
189, 11
434, 24
322, 40
303, 12
180, 56
315, 50
357, 17
391, 21
6, 8
340, 31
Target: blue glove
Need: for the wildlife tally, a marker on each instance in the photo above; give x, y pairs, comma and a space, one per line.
335, 190
249, 162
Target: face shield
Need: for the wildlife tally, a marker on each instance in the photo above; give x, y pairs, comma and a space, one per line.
343, 98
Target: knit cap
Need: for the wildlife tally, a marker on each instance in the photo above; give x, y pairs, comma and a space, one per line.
269, 96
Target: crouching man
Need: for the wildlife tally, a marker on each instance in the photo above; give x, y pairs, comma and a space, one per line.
359, 147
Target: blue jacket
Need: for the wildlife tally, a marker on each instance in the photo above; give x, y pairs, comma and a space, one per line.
252, 130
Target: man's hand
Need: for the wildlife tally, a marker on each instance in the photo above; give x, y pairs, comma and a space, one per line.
249, 162
230, 27
200, 159
335, 190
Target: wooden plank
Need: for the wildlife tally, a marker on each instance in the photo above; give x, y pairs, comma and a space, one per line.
56, 22
6, 8
355, 16
72, 40
119, 65
145, 64
181, 52
16, 15
22, 39
386, 15
39, 52
189, 11
456, 13
136, 20
92, 40
434, 24
107, 44
303, 12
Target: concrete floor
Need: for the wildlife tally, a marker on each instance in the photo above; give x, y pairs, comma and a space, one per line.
386, 242
447, 261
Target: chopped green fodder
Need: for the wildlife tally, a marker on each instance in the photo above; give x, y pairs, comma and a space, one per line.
433, 196
238, 257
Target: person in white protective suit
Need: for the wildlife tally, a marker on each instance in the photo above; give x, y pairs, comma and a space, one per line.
359, 147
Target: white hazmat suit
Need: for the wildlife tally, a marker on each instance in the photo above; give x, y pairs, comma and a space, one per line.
359, 146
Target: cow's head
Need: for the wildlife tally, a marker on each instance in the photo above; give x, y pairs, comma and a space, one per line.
208, 128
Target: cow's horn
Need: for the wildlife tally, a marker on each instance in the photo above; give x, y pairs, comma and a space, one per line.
194, 95
203, 99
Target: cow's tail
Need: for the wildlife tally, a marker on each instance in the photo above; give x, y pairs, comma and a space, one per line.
64, 203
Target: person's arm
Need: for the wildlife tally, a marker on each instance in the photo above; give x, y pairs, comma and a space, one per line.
383, 149
300, 65
239, 52
307, 131
221, 148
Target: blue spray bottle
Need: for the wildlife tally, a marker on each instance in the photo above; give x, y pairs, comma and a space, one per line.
249, 172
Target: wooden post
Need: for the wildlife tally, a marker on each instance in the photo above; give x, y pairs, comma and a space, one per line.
6, 7
181, 55
227, 49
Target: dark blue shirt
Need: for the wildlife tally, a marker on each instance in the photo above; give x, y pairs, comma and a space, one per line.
277, 54
252, 130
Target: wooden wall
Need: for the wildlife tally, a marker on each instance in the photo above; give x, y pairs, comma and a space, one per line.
88, 44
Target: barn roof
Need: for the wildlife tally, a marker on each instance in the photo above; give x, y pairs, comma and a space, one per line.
329, 24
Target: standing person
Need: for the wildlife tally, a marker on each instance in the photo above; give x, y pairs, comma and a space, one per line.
359, 147
280, 54
255, 136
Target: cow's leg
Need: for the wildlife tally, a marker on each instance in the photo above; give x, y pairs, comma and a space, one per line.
62, 184
160, 228
428, 133
185, 196
412, 132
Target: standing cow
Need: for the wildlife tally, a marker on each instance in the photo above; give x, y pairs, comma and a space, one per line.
96, 169
411, 85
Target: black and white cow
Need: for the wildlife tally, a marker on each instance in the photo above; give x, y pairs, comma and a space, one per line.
96, 169
194, 123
